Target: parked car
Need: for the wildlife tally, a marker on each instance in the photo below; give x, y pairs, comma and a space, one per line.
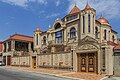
2, 63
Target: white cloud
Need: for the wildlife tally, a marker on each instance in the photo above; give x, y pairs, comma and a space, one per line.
24, 3
109, 8
39, 1
57, 2
53, 15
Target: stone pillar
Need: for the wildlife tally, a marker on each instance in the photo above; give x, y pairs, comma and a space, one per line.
75, 58
99, 60
3, 47
81, 24
91, 24
12, 47
6, 53
2, 50
94, 24
29, 47
65, 36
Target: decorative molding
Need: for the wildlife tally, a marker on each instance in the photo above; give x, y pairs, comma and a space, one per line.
87, 47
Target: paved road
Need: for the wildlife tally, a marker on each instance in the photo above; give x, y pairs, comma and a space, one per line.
13, 74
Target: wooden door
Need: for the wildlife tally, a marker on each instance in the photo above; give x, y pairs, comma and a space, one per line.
88, 62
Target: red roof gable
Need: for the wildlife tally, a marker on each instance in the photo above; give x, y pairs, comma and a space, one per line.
21, 37
87, 6
74, 10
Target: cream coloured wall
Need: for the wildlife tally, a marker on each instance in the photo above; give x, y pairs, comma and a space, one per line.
22, 61
55, 60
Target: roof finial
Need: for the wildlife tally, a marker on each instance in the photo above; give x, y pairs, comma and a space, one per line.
49, 26
87, 1
75, 3
101, 15
87, 5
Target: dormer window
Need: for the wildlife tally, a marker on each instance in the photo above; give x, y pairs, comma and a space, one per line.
58, 25
69, 18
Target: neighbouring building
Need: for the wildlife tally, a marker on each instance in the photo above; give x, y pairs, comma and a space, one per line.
117, 60
0, 51
77, 42
17, 50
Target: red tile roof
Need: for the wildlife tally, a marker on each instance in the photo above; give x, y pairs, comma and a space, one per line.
111, 43
103, 20
117, 47
20, 37
0, 46
74, 10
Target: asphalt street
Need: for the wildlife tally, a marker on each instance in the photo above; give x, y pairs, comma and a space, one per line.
13, 74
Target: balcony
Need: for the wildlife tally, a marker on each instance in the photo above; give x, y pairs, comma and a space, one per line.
53, 42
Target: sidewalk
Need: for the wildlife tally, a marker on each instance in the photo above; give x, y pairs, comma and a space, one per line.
60, 73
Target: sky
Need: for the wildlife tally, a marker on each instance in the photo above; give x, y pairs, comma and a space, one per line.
24, 16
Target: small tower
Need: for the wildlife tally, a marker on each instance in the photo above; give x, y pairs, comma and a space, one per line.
37, 38
88, 21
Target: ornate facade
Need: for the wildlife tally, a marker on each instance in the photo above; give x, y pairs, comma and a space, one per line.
77, 42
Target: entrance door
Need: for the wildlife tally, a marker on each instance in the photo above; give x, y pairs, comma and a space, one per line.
88, 62
34, 62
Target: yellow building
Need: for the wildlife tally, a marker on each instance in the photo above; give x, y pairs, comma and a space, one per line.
77, 42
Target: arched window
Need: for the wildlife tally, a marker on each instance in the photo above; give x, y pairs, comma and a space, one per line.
83, 24
72, 33
105, 33
113, 38
88, 23
44, 40
96, 32
58, 25
36, 39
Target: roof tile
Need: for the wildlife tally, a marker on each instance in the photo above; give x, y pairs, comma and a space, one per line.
74, 10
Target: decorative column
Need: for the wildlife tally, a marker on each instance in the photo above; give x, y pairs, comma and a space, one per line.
86, 23
6, 53
29, 47
3, 51
81, 19
91, 23
12, 48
